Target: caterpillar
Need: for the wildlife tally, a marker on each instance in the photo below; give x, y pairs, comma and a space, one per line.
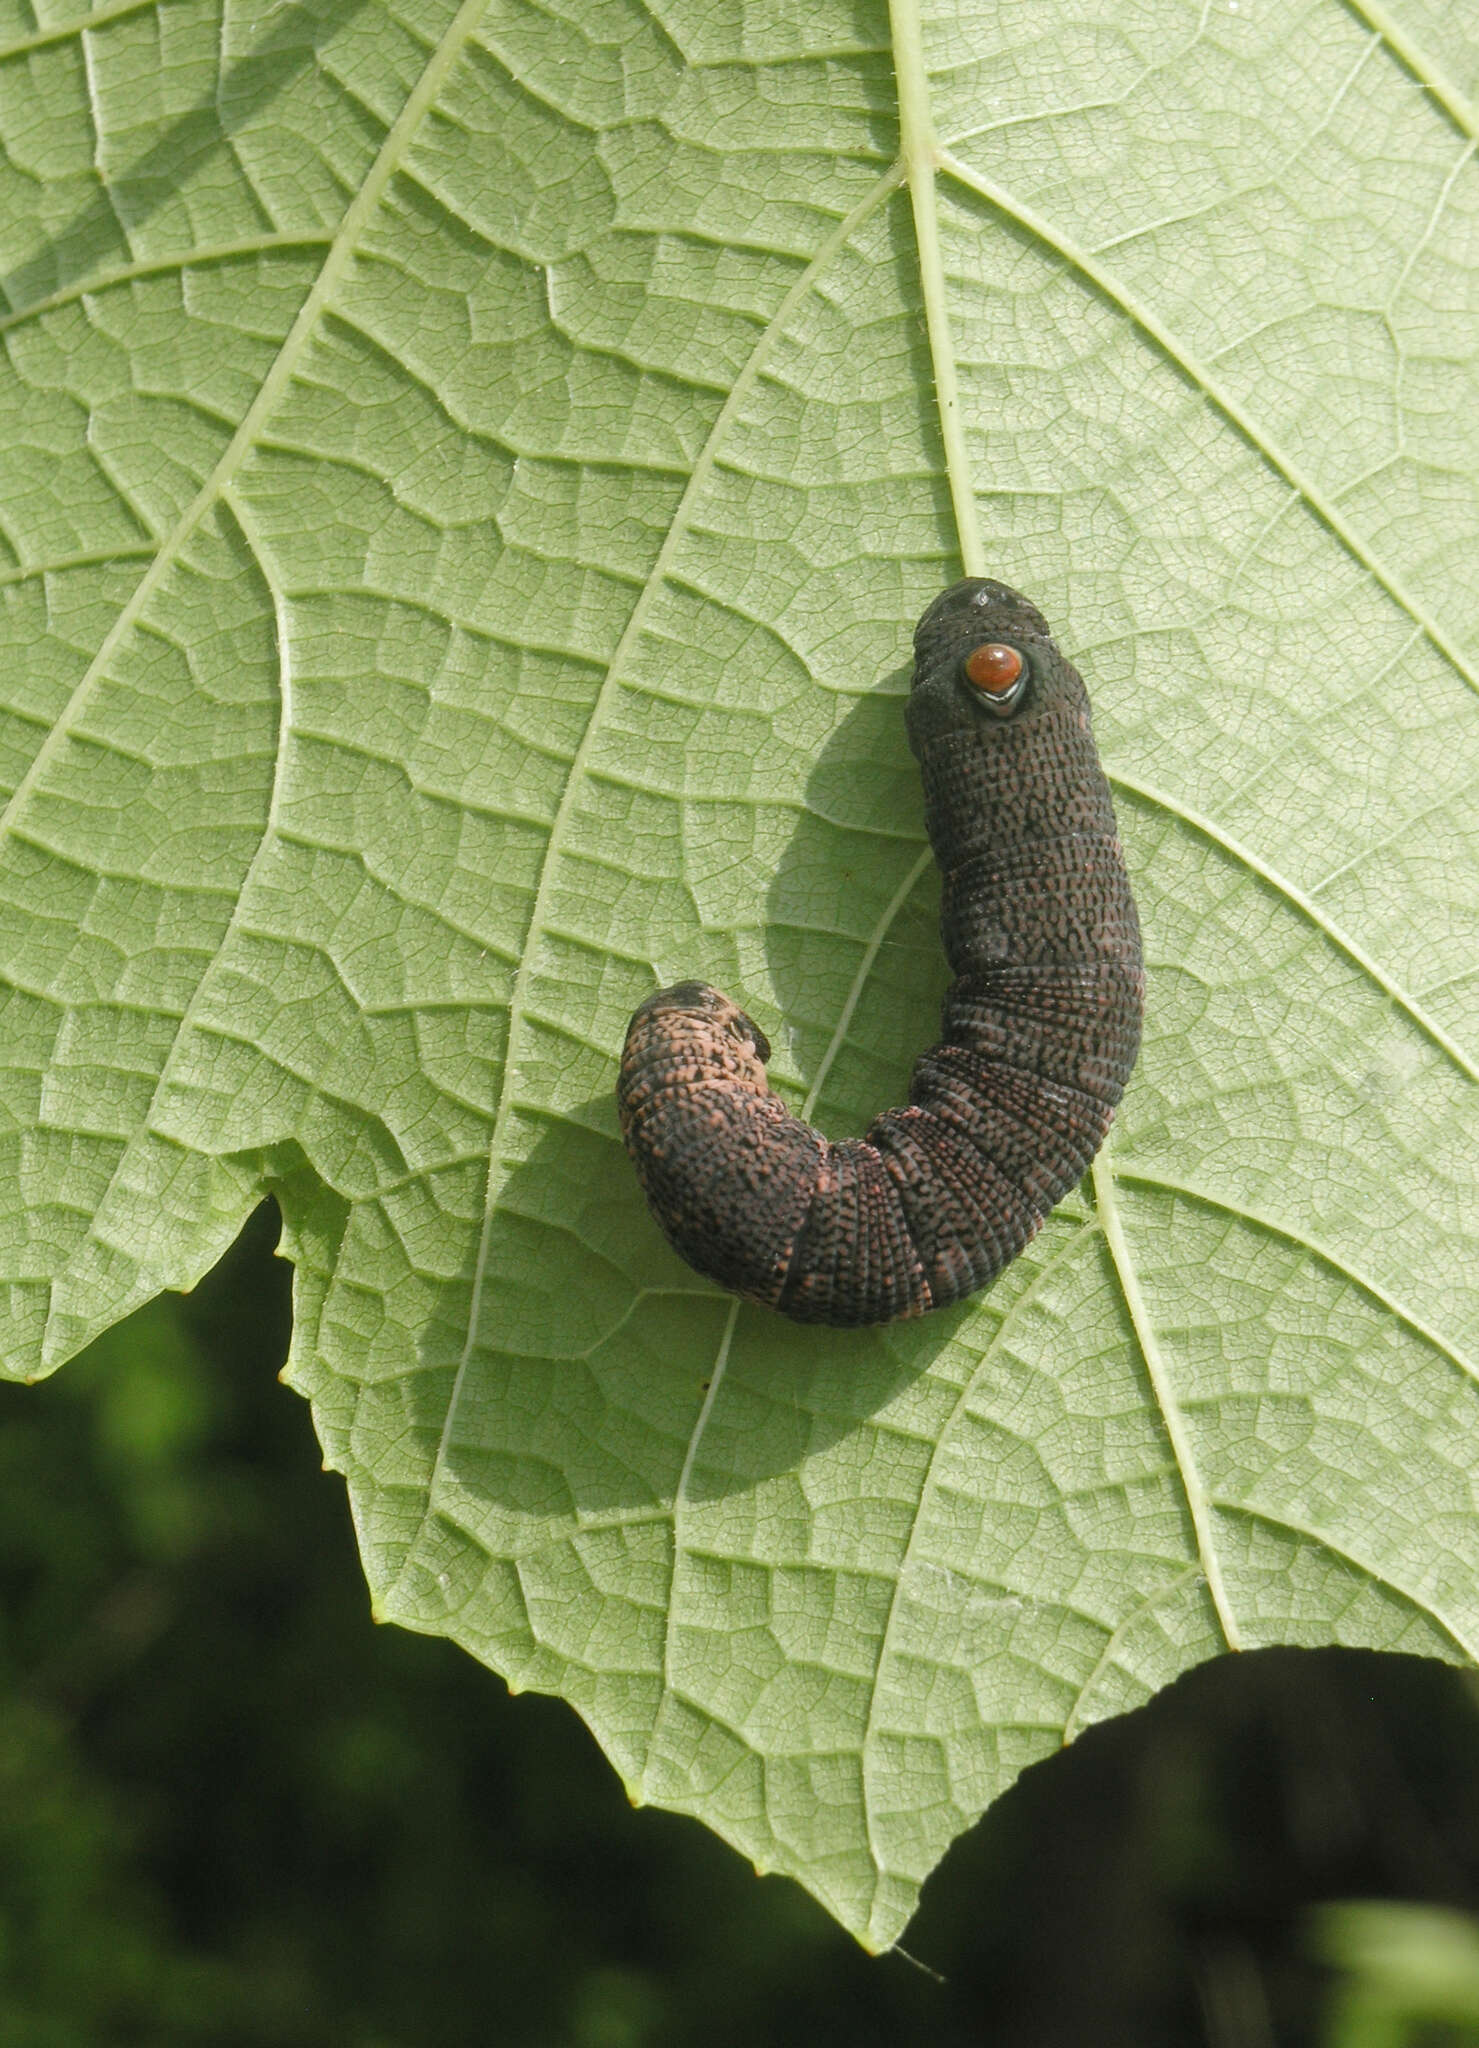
1039, 1031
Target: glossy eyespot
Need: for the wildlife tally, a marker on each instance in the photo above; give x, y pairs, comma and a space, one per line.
994, 668
1041, 1027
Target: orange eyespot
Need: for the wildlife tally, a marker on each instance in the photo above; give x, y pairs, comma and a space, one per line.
993, 668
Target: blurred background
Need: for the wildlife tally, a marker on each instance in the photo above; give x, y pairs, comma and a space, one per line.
233, 1811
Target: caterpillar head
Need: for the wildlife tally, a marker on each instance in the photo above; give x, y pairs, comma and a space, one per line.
984, 662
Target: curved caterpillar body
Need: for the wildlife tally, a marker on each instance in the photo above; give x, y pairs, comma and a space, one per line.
1040, 1027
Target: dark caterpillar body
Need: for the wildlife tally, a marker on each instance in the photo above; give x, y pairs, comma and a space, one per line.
1041, 1025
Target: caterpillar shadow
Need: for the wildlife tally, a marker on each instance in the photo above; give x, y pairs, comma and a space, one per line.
583, 1309
852, 926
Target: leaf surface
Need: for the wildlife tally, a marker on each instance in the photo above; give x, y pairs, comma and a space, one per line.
467, 477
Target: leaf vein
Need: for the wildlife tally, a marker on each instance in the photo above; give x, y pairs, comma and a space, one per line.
1308, 908
1200, 378
1302, 1241
1163, 1393
554, 846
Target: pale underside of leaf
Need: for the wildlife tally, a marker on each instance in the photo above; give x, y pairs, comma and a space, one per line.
483, 593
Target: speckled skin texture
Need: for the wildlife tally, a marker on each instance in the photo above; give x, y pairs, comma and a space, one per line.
1040, 1027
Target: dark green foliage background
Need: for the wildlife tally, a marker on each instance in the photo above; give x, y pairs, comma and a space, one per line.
234, 1811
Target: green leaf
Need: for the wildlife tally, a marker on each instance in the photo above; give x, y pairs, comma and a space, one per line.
467, 477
